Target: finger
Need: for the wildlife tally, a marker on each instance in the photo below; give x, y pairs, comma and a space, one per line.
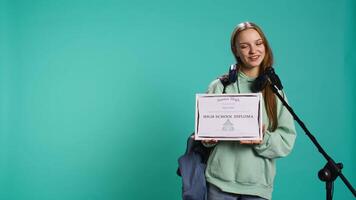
204, 141
212, 141
258, 142
250, 141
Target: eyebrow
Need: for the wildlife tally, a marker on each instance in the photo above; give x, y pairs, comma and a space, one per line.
255, 41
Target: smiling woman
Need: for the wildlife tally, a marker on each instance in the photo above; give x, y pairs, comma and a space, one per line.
245, 170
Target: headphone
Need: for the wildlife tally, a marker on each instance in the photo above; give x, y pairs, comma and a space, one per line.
260, 82
233, 73
230, 78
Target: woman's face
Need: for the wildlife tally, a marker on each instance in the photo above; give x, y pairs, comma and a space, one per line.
250, 48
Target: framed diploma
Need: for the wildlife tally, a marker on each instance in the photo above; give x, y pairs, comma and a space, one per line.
228, 116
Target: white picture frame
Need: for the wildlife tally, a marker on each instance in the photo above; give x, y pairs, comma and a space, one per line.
228, 116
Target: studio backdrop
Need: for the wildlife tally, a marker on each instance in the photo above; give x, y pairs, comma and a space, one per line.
97, 97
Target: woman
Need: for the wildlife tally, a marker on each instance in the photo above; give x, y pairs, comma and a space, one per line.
246, 170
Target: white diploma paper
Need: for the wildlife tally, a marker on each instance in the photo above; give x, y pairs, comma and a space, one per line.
228, 116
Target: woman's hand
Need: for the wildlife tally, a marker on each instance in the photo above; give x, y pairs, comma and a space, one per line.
209, 142
254, 141
250, 141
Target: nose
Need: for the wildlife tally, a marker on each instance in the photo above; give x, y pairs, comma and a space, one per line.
252, 49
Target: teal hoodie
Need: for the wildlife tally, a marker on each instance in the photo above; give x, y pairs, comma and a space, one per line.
244, 168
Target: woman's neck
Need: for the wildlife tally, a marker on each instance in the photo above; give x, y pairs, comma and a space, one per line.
250, 72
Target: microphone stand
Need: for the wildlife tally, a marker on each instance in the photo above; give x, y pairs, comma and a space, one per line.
331, 170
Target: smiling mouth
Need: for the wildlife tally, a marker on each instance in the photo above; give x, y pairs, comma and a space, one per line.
254, 58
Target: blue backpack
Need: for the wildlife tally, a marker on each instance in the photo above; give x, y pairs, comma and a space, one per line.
191, 168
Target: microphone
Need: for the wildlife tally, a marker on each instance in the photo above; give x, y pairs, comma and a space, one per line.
267, 76
273, 78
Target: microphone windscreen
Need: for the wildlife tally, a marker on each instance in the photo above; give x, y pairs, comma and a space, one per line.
274, 78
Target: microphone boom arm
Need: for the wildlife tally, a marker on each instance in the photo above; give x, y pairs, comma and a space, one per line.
331, 170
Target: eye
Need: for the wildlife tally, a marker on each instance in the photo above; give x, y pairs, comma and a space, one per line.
259, 43
243, 46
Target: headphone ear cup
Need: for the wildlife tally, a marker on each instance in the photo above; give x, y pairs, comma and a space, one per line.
233, 73
259, 83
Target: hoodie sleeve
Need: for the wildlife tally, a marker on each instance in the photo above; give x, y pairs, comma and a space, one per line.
278, 143
215, 87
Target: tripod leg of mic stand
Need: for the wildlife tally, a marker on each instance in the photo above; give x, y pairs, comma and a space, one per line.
329, 190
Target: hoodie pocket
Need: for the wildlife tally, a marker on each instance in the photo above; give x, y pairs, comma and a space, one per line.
240, 165
249, 171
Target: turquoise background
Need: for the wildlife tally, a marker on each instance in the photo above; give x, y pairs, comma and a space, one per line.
97, 97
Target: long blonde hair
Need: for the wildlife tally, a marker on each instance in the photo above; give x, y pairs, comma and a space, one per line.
268, 95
